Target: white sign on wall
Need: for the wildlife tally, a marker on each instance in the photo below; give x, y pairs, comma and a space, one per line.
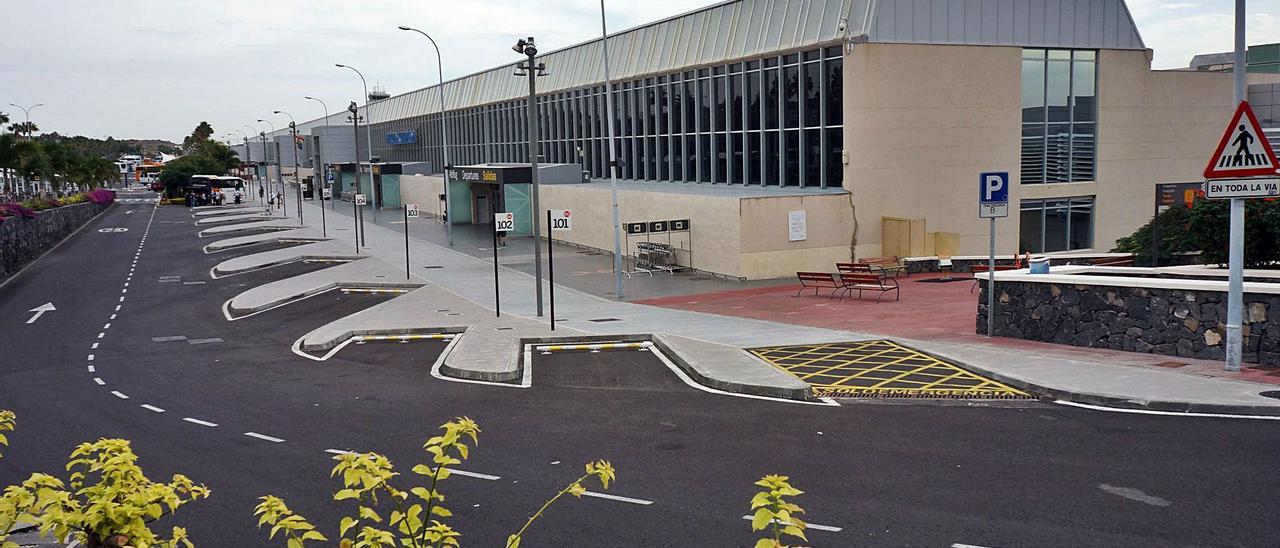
797, 226
504, 222
561, 219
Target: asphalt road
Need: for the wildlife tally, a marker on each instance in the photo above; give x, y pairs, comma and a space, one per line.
917, 474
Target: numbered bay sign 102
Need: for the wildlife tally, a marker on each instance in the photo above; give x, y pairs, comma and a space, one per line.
504, 222
561, 219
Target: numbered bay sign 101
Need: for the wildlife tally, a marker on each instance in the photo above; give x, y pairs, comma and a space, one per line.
504, 222
561, 219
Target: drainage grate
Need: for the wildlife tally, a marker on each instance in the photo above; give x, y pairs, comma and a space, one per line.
1271, 394
1171, 365
602, 320
433, 266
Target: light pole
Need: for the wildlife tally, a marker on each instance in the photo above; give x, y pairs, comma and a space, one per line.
444, 135
359, 213
324, 168
284, 208
266, 172
532, 71
368, 136
293, 131
613, 163
252, 132
248, 151
1235, 248
26, 111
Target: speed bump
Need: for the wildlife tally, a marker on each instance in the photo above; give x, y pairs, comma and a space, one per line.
882, 369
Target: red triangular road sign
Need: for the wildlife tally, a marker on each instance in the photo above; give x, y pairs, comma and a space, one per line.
1243, 151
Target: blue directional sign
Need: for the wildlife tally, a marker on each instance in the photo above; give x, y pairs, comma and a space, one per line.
993, 194
402, 138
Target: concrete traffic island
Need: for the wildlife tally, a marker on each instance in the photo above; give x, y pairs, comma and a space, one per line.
238, 216
492, 349
223, 230
322, 250
303, 234
366, 273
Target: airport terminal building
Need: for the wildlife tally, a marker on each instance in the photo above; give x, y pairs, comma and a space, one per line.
796, 134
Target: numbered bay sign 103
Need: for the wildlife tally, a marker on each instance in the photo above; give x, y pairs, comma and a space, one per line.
412, 211
504, 222
561, 219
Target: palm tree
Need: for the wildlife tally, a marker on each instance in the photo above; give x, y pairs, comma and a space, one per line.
24, 127
4, 118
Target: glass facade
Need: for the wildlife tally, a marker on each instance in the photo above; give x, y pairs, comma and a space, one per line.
771, 121
1056, 224
1059, 115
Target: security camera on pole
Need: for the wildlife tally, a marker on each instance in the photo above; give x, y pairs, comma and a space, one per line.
533, 71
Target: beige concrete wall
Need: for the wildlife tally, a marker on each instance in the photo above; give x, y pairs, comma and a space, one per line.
424, 190
1153, 127
766, 251
715, 220
921, 122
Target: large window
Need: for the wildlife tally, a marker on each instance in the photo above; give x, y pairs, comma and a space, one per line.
1059, 115
1057, 224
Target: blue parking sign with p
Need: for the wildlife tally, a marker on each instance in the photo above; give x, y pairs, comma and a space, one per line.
993, 194
994, 187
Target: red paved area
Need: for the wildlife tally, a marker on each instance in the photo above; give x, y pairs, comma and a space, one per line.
943, 312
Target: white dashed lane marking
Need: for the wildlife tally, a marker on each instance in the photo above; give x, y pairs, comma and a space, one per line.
474, 474
264, 437
641, 502
99, 381
200, 422
92, 370
90, 357
119, 394
813, 526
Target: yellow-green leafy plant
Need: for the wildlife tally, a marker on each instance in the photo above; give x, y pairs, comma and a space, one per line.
413, 517
601, 470
108, 500
8, 421
771, 510
366, 477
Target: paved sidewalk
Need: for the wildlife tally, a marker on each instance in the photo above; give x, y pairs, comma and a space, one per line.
1071, 374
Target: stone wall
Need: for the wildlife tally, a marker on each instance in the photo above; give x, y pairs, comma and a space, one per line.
24, 240
1172, 322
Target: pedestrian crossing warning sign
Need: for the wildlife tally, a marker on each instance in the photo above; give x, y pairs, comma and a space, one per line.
1243, 150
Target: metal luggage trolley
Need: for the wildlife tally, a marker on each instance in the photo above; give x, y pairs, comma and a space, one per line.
650, 256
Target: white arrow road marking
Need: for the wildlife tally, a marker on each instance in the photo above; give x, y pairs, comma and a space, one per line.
39, 311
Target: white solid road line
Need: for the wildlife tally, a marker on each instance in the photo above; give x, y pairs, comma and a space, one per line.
339, 452
814, 526
200, 422
150, 407
99, 381
264, 437
641, 502
959, 545
1167, 413
119, 394
474, 474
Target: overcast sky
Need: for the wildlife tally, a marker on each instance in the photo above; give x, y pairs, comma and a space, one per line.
152, 69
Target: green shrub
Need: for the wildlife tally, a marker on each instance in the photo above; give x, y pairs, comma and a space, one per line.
1204, 227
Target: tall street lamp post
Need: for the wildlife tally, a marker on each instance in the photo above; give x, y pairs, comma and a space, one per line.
266, 160
532, 70
613, 163
256, 179
293, 132
354, 117
26, 111
324, 180
248, 151
444, 135
368, 136
284, 207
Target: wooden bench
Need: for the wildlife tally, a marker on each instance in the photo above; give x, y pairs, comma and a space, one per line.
887, 266
979, 268
869, 282
1112, 261
819, 280
853, 268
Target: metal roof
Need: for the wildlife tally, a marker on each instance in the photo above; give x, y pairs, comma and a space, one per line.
736, 29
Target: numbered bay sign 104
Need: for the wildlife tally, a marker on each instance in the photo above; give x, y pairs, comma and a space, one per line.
561, 219
504, 222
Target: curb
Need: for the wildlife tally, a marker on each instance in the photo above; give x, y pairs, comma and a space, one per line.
1121, 402
799, 394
